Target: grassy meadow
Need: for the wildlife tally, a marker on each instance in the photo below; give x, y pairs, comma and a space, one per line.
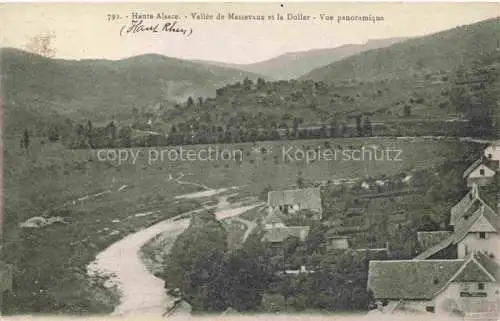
102, 201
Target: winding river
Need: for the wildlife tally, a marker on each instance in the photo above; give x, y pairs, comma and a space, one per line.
141, 292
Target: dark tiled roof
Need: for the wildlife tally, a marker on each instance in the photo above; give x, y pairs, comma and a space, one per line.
410, 279
489, 264
424, 279
307, 198
492, 217
472, 272
464, 204
434, 249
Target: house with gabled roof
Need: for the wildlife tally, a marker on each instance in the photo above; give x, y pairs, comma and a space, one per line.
467, 205
275, 218
479, 174
276, 231
295, 200
478, 232
466, 285
476, 226
279, 234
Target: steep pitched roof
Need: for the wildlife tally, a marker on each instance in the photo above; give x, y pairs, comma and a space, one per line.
472, 167
492, 217
473, 272
424, 279
274, 217
434, 249
464, 223
307, 198
468, 223
465, 204
489, 264
280, 234
410, 279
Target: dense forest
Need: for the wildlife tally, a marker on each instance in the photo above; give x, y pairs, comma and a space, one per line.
471, 93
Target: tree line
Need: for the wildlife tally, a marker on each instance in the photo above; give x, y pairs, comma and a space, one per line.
212, 278
473, 92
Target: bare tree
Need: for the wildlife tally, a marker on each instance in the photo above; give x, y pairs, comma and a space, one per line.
42, 44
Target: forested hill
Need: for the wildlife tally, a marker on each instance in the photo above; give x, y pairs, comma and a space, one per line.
438, 52
295, 64
37, 89
418, 80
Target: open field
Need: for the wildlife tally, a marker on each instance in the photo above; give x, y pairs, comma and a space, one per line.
102, 201
267, 164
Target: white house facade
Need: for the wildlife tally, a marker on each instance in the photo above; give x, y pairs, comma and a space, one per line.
492, 152
462, 286
293, 201
481, 175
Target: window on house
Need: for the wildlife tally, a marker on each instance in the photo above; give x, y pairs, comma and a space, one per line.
480, 286
481, 172
436, 281
430, 309
482, 235
490, 156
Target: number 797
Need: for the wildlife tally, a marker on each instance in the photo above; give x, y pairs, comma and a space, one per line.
113, 17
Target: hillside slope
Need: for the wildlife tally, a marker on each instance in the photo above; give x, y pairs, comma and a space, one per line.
413, 81
36, 89
441, 51
295, 64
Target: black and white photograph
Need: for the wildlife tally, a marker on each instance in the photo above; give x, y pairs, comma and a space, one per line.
264, 160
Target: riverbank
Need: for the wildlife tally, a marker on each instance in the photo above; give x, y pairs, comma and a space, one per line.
141, 292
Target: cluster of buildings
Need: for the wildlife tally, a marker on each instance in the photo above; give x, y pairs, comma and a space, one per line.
458, 272
287, 203
303, 203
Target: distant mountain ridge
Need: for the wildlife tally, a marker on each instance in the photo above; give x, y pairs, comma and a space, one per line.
295, 64
439, 51
36, 88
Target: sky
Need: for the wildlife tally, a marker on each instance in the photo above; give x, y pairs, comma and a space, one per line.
82, 31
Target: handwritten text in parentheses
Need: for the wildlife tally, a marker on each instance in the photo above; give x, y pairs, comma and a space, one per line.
138, 26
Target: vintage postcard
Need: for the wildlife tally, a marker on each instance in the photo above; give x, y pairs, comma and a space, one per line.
291, 160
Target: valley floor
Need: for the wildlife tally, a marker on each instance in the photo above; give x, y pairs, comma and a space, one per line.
142, 293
